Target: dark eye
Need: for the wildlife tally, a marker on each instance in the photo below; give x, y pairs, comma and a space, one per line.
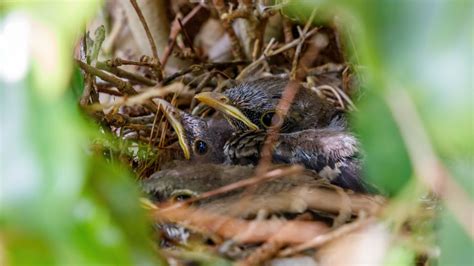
266, 119
200, 147
182, 195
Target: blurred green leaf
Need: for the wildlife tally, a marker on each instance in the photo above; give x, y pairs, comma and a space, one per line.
399, 255
60, 205
387, 164
424, 48
456, 245
77, 84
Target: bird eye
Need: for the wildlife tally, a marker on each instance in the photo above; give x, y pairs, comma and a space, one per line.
182, 195
267, 117
200, 147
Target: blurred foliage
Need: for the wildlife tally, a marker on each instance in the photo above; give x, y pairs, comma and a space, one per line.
60, 203
379, 134
424, 48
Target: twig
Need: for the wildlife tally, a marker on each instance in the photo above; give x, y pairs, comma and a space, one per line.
322, 197
246, 71
175, 29
299, 47
334, 92
346, 98
287, 32
287, 232
120, 84
282, 109
323, 239
125, 74
326, 68
109, 91
262, 253
119, 62
141, 98
186, 36
284, 104
152, 130
205, 66
236, 47
269, 53
150, 39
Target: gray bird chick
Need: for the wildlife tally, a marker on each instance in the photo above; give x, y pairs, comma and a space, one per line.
202, 140
252, 104
286, 194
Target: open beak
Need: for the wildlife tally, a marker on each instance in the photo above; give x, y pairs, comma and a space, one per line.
219, 101
173, 114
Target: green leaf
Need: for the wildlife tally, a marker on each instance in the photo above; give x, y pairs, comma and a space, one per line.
387, 164
456, 245
77, 83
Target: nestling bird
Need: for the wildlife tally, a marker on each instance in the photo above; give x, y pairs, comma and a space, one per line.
332, 152
202, 140
313, 133
286, 194
253, 104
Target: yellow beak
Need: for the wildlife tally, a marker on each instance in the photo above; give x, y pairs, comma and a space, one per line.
172, 114
219, 101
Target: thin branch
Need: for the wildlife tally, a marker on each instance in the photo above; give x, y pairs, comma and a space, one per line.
125, 74
262, 253
175, 30
142, 97
236, 46
325, 238
282, 109
150, 39
109, 91
119, 62
299, 48
240, 230
186, 36
120, 84
269, 53
287, 32
205, 66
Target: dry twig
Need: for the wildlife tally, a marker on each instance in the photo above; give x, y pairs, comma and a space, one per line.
324, 238
159, 69
243, 231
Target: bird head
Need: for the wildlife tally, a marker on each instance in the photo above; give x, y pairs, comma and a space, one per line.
253, 104
185, 180
201, 140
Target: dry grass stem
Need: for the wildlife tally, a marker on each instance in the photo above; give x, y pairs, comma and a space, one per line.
243, 231
324, 238
159, 70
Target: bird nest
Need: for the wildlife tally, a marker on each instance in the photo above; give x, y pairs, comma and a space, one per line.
134, 86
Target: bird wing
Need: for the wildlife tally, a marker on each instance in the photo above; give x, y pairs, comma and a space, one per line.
333, 153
